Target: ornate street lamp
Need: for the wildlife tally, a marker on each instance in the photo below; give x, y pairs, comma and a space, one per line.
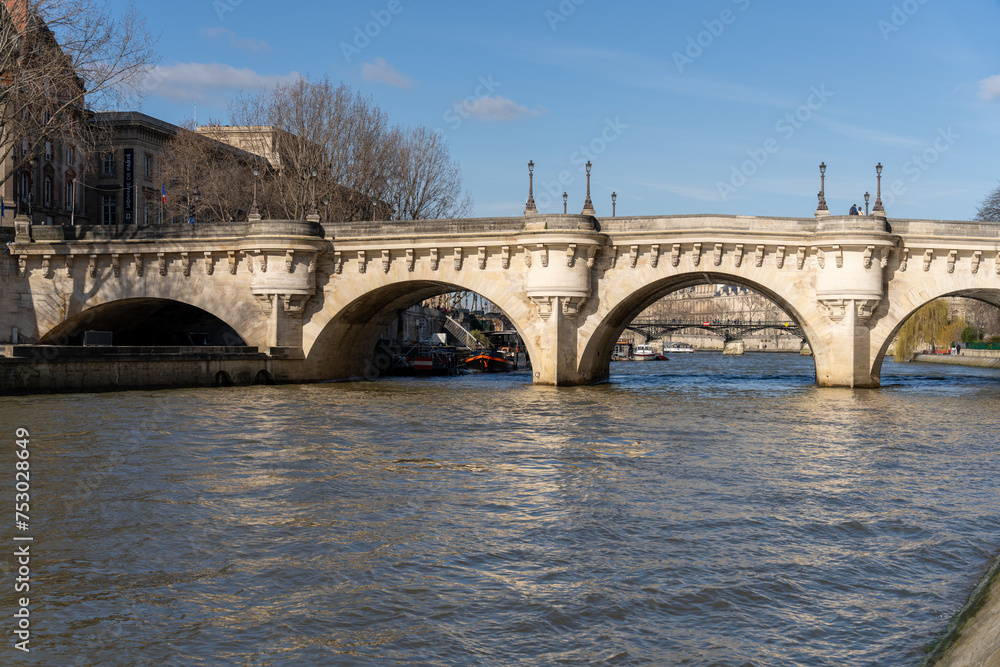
588, 205
313, 174
877, 209
565, 201
254, 211
614, 198
866, 203
822, 188
530, 206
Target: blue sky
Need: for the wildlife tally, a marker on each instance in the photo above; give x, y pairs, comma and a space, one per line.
726, 106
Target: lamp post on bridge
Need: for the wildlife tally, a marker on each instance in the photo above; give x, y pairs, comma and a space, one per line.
254, 210
565, 201
821, 209
614, 199
877, 209
866, 202
530, 206
588, 205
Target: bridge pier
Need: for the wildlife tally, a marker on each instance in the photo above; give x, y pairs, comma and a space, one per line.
846, 359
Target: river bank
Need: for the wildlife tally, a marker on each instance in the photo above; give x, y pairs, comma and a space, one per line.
973, 637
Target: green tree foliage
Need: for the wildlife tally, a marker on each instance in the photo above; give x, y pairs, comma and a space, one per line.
928, 326
970, 335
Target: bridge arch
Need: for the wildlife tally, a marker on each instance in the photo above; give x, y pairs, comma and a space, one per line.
146, 321
339, 340
904, 303
636, 294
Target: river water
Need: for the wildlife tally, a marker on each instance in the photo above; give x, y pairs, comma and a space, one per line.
707, 510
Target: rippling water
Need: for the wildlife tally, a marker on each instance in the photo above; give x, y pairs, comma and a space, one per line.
708, 510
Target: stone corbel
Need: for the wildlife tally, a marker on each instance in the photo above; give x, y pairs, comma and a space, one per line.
458, 259
22, 265
233, 261
209, 264
386, 261
886, 253
928, 256
411, 260
952, 257
836, 309
996, 264
543, 253
779, 257
976, 259
91, 266
717, 255
571, 305
46, 266
116, 265
294, 304
800, 257
186, 263
140, 268
161, 259
311, 268
696, 254
262, 259
904, 256
505, 256
867, 256
570, 255
865, 308
266, 302
527, 255
338, 262
758, 257
614, 256
481, 255
675, 254
633, 256
66, 258
289, 260
435, 259
591, 255
544, 304
738, 255
838, 254
362, 262
654, 255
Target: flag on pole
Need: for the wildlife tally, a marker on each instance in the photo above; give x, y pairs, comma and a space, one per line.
163, 190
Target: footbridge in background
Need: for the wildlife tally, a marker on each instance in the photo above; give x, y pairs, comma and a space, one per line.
313, 298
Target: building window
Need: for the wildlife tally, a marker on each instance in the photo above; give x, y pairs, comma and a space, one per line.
48, 150
25, 146
47, 191
71, 156
108, 209
149, 166
25, 185
70, 188
108, 166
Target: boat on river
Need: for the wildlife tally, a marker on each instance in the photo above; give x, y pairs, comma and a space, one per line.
644, 353
678, 348
491, 360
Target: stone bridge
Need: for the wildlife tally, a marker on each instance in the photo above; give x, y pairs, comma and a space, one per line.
317, 296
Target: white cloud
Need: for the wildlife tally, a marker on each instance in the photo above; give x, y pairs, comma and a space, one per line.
235, 41
214, 81
383, 72
497, 109
989, 88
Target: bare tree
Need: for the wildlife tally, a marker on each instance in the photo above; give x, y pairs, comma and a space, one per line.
59, 59
364, 168
219, 174
989, 208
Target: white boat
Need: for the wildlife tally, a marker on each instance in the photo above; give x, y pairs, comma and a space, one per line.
644, 353
677, 348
